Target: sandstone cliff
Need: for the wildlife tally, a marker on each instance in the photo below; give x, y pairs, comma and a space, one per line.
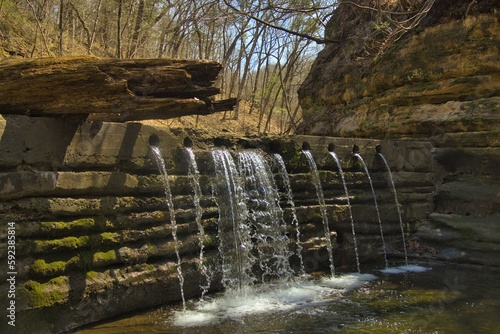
442, 77
439, 82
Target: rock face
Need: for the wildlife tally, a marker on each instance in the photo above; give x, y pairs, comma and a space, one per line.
441, 83
92, 226
444, 77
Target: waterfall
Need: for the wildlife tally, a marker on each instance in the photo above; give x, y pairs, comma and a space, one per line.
160, 161
397, 203
322, 205
265, 216
233, 230
337, 161
376, 205
291, 203
194, 180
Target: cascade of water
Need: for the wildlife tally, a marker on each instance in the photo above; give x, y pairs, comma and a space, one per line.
160, 161
322, 205
233, 231
194, 180
266, 216
376, 205
397, 203
291, 203
341, 172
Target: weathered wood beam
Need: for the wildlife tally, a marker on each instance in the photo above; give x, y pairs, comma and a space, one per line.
110, 89
150, 108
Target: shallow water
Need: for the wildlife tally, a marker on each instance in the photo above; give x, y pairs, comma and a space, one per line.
407, 299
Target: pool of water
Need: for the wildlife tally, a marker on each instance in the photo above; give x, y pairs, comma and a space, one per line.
430, 299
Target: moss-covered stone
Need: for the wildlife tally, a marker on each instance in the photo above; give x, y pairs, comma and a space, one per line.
42, 268
448, 61
78, 225
104, 258
67, 243
55, 291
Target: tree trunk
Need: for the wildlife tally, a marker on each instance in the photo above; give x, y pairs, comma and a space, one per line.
137, 30
119, 30
61, 27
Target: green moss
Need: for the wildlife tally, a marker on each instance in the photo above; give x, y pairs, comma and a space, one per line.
210, 241
91, 274
61, 244
172, 270
467, 80
112, 237
55, 291
421, 88
42, 268
83, 224
104, 258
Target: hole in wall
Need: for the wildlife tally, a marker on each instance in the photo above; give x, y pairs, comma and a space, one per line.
95, 127
306, 146
188, 142
275, 146
246, 144
222, 142
154, 140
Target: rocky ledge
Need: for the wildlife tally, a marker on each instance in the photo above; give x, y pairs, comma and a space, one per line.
439, 82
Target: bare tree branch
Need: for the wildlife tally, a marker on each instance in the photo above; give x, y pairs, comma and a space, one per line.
277, 27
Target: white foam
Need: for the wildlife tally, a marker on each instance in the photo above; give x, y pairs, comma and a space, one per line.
348, 281
392, 271
194, 318
414, 268
405, 269
259, 299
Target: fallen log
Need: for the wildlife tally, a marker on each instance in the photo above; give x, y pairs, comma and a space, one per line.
110, 89
150, 108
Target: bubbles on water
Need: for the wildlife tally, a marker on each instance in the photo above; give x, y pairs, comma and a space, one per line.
348, 281
414, 268
405, 269
194, 319
299, 295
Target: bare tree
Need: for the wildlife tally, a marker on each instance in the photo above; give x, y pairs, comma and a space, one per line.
266, 46
119, 30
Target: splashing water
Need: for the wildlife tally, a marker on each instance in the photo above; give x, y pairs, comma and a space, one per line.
322, 206
194, 180
266, 216
160, 161
289, 196
376, 206
233, 230
292, 298
397, 203
337, 161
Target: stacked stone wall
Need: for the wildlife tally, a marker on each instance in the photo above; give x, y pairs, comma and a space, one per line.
93, 237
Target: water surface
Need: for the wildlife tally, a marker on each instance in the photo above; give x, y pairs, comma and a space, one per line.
442, 299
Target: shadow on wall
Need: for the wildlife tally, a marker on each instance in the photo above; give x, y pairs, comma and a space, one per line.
40, 154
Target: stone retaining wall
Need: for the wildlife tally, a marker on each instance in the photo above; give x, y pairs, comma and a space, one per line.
92, 228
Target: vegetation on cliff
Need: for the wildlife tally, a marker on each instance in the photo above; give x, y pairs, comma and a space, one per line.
266, 48
373, 85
